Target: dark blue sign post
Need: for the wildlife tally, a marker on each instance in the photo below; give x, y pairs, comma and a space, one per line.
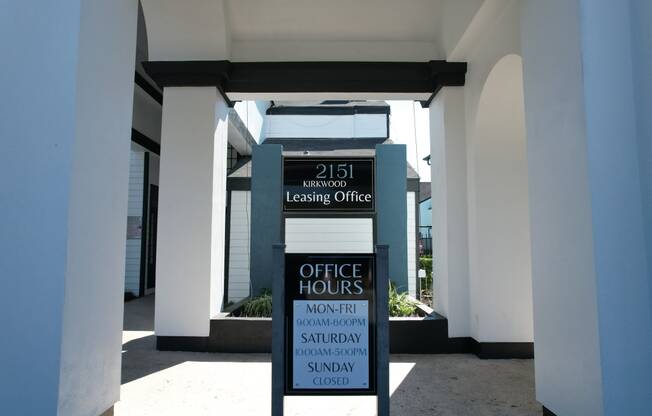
330, 326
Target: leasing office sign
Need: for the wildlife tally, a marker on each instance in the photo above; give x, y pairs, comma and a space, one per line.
330, 184
330, 332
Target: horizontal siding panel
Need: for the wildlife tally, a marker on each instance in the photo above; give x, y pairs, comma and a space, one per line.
134, 209
329, 235
239, 242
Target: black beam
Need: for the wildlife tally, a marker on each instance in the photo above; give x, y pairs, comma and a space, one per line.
148, 88
149, 144
190, 74
329, 110
307, 77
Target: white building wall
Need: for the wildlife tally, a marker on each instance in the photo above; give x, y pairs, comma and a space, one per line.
566, 349
30, 288
499, 224
591, 349
494, 198
329, 235
618, 225
329, 126
449, 210
411, 243
63, 202
192, 200
93, 305
239, 240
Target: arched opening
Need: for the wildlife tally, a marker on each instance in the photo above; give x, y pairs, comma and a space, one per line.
499, 230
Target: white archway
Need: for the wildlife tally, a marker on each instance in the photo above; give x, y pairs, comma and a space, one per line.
499, 227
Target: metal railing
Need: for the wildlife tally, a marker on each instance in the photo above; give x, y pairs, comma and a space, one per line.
425, 240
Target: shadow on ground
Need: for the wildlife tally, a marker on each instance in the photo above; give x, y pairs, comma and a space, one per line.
167, 382
140, 358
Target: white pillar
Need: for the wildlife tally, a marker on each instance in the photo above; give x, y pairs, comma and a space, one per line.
192, 198
449, 209
592, 324
67, 91
500, 269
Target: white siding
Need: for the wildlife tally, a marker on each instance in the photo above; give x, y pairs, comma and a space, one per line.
239, 245
331, 126
411, 244
329, 235
134, 209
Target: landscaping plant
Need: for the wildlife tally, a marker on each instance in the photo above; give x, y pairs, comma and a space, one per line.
259, 307
400, 304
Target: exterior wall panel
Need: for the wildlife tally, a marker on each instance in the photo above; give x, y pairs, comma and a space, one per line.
329, 235
239, 239
134, 209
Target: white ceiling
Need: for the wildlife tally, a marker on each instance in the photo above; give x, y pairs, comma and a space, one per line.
334, 20
309, 30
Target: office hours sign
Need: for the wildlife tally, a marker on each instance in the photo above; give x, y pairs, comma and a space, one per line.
330, 332
329, 184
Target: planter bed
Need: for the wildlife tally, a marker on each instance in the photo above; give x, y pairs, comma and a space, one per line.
425, 334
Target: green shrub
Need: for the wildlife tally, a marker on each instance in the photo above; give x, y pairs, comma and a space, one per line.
426, 264
258, 307
400, 305
425, 283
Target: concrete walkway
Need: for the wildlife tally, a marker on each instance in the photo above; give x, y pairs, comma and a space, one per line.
182, 383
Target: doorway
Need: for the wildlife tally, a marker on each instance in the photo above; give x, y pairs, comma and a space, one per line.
150, 279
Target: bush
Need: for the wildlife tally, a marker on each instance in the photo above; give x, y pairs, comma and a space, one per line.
258, 307
426, 264
400, 305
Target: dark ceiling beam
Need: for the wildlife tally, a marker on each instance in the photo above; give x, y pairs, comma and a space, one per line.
307, 77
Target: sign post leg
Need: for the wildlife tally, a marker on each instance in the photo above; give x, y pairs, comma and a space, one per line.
278, 328
382, 329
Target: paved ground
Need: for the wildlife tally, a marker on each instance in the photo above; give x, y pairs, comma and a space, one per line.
180, 383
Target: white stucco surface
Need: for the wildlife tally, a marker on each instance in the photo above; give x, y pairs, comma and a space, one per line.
499, 223
326, 126
566, 349
190, 260
449, 210
28, 230
65, 205
93, 299
621, 270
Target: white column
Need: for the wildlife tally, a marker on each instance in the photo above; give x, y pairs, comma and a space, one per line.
67, 91
590, 278
449, 209
192, 198
500, 268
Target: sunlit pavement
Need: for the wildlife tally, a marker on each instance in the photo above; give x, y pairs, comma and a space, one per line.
185, 383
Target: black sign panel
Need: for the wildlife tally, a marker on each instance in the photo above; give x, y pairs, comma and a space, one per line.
333, 184
330, 331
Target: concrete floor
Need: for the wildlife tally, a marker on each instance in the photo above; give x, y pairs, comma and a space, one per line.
182, 383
